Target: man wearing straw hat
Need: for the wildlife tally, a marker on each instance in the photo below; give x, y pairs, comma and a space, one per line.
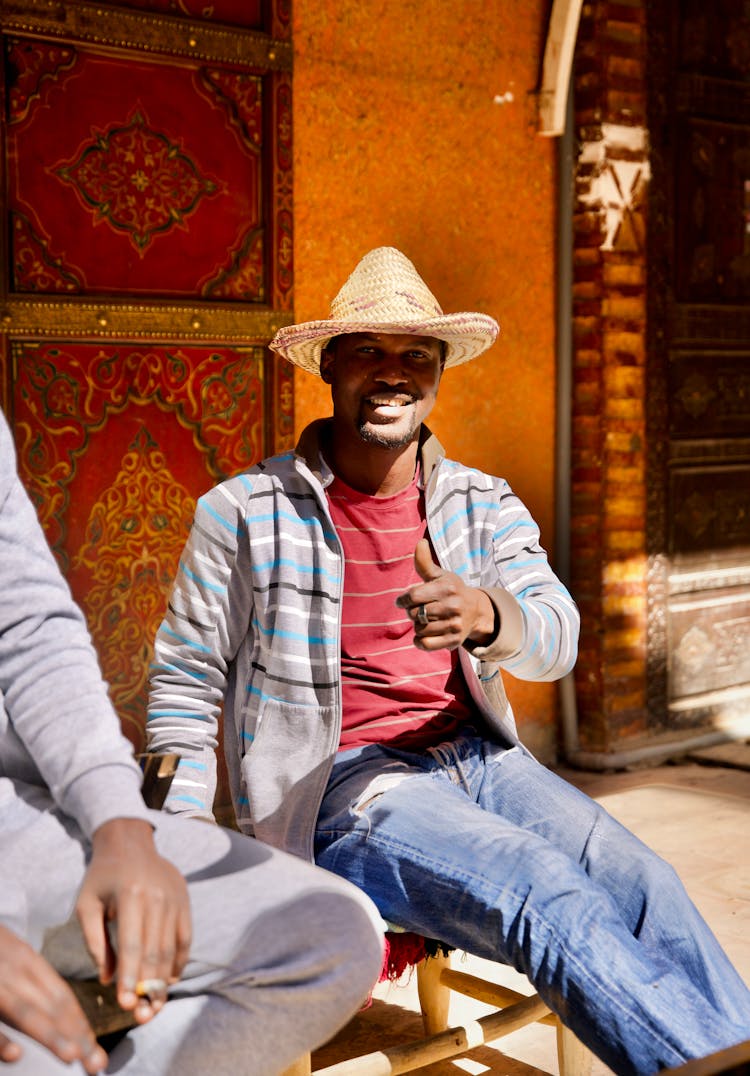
350, 605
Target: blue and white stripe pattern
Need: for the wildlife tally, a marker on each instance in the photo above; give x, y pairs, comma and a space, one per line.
253, 624
487, 536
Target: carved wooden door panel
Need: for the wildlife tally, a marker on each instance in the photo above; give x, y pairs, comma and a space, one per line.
700, 368
147, 234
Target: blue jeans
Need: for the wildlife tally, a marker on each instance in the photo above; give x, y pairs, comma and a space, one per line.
483, 848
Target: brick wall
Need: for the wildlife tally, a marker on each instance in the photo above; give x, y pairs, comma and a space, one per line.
608, 541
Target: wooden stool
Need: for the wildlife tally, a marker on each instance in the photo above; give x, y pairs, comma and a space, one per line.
435, 980
734, 1061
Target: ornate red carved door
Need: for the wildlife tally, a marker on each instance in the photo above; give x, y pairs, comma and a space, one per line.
147, 230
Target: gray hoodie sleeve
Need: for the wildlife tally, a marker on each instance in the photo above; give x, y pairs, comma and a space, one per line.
58, 728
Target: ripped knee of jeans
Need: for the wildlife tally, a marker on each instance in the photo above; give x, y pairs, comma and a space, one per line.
376, 788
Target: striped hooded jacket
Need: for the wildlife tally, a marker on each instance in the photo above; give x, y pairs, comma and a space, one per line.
253, 630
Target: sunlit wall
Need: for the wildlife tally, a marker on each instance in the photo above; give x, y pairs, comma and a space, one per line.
415, 126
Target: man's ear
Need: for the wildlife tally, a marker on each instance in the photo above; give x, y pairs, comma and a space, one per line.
325, 367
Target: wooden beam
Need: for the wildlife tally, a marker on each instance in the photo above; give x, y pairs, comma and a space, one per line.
448, 1044
558, 63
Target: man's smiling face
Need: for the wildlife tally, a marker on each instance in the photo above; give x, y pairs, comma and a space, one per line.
382, 385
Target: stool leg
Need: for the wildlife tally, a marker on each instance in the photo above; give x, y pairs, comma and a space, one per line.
434, 996
302, 1067
573, 1058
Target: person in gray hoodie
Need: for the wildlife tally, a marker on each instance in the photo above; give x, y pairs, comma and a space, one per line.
232, 956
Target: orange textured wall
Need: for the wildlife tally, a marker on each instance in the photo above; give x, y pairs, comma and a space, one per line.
415, 127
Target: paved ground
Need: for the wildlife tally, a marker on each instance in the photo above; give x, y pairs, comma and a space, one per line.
695, 814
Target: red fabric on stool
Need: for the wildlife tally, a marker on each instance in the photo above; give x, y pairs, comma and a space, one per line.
404, 949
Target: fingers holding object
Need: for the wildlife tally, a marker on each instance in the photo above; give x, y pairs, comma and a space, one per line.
151, 994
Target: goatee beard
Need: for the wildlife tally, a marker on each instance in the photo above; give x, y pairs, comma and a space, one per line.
377, 435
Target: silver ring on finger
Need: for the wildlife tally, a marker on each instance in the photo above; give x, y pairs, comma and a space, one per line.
422, 618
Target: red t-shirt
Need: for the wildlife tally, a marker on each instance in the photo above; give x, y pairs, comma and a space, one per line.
392, 692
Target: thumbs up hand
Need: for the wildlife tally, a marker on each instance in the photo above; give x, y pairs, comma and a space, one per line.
425, 565
446, 612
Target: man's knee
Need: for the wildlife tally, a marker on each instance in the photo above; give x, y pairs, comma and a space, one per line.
343, 927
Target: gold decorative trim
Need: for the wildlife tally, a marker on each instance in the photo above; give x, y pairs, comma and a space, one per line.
124, 320
121, 29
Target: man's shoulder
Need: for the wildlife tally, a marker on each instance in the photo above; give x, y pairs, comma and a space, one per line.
7, 457
460, 475
267, 477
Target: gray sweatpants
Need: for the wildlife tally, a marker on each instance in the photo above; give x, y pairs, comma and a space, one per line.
283, 953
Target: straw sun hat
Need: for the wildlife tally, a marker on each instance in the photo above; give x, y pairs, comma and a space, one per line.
386, 294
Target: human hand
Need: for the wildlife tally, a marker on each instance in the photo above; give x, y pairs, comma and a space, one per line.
130, 884
37, 1001
446, 612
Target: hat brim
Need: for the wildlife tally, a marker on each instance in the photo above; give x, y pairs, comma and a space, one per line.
466, 336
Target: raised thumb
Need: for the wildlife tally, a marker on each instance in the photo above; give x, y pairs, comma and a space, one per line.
424, 563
